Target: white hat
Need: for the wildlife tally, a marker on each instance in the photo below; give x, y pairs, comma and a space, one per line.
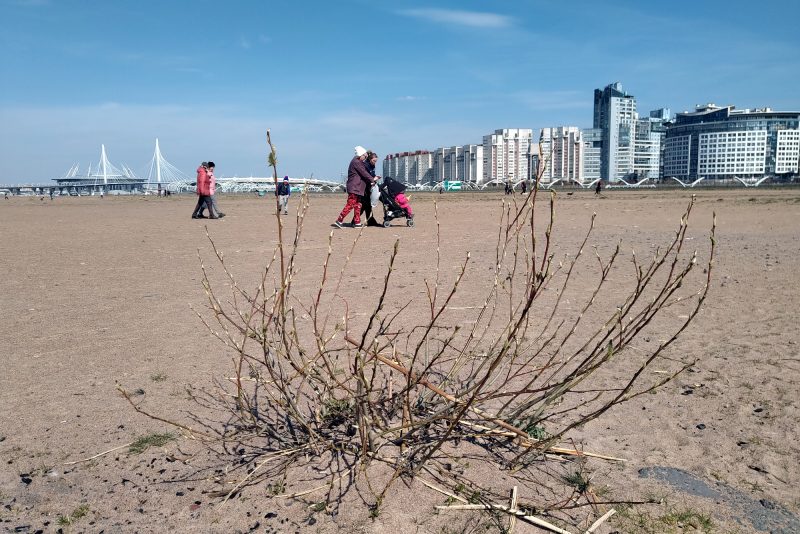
360, 151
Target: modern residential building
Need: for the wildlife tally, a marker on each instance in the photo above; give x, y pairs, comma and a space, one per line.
592, 147
562, 154
438, 171
723, 143
506, 154
469, 164
458, 164
649, 145
533, 163
410, 167
615, 114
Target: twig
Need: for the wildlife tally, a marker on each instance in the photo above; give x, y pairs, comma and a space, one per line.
513, 520
259, 466
503, 508
600, 521
99, 455
440, 490
312, 490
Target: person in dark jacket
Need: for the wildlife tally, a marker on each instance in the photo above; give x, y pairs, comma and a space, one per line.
358, 178
366, 200
282, 192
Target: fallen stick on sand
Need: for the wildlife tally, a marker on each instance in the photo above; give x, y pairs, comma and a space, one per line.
513, 520
99, 455
503, 508
600, 521
510, 510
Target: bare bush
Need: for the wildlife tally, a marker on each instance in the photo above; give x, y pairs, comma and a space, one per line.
403, 394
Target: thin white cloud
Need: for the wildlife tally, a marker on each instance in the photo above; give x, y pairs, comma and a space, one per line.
410, 98
455, 17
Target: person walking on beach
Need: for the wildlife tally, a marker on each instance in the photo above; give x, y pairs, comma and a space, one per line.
203, 193
598, 187
282, 192
357, 180
212, 188
367, 198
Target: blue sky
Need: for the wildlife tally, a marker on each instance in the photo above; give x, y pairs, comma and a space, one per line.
208, 78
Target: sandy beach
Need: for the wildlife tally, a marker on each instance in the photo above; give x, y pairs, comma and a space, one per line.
104, 292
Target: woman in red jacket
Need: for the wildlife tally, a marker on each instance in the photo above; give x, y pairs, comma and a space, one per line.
205, 191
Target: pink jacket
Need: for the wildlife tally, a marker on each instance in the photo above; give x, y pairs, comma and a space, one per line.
203, 181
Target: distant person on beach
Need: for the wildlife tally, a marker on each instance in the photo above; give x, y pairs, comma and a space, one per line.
366, 199
598, 187
524, 186
358, 180
283, 192
213, 193
203, 188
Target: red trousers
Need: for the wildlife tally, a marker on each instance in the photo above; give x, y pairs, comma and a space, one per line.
353, 203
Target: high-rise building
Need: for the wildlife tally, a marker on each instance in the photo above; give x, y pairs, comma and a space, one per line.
592, 147
438, 171
533, 163
562, 154
469, 164
649, 145
506, 154
410, 167
615, 115
722, 143
458, 164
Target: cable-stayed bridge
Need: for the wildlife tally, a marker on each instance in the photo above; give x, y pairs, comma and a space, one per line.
106, 178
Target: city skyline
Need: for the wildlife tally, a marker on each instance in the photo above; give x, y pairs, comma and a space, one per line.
393, 78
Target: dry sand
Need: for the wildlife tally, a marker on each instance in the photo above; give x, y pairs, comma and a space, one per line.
97, 292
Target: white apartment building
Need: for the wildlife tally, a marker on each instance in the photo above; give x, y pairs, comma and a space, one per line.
562, 154
506, 154
787, 153
592, 159
735, 153
469, 164
615, 114
458, 164
648, 146
412, 168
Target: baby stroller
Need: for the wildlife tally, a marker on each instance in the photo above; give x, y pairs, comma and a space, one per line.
391, 209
